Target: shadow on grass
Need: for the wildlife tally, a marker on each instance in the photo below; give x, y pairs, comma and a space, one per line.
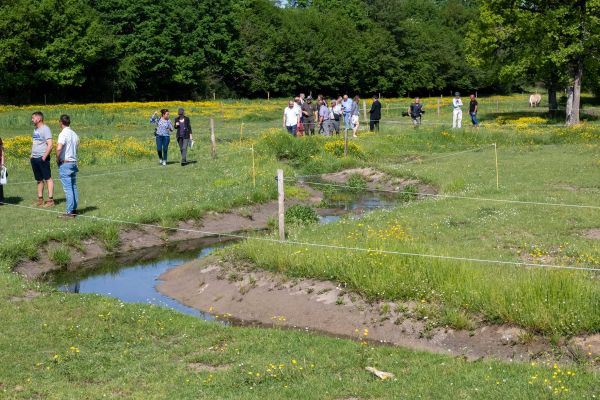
86, 210
13, 200
557, 118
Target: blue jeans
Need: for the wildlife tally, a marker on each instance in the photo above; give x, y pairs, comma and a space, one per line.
162, 146
68, 178
474, 118
292, 129
347, 121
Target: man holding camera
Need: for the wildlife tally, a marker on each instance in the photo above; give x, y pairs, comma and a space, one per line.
415, 110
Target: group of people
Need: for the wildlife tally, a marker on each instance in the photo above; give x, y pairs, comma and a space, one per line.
303, 117
41, 154
415, 111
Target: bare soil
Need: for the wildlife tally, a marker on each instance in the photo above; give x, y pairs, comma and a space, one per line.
377, 180
252, 296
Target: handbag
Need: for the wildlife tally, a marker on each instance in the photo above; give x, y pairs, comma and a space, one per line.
3, 176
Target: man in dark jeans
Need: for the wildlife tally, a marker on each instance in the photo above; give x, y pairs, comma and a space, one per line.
473, 108
184, 134
375, 113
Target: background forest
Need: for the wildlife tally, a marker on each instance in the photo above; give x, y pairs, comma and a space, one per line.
105, 50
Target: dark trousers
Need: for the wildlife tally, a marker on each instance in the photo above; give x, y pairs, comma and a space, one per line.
183, 146
374, 125
1, 193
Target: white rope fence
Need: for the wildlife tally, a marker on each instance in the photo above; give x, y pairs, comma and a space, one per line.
325, 246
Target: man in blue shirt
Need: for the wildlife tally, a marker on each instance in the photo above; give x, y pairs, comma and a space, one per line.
347, 110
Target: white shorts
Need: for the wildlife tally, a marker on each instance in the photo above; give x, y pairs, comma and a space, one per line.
354, 120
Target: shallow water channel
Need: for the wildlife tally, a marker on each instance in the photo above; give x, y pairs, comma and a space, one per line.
132, 278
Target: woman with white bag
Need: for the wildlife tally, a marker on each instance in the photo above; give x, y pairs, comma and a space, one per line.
2, 173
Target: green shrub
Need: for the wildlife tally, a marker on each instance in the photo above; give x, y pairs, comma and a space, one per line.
301, 215
60, 256
408, 193
357, 183
286, 147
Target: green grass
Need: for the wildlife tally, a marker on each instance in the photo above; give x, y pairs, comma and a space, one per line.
82, 346
105, 348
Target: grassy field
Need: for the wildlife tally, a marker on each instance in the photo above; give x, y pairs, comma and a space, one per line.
73, 346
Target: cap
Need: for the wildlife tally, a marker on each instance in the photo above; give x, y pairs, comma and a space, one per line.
309, 98
180, 111
457, 94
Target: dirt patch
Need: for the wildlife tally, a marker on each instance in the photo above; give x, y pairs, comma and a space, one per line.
200, 367
27, 296
252, 296
377, 180
593, 234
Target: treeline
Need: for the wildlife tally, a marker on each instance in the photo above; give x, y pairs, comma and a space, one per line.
100, 50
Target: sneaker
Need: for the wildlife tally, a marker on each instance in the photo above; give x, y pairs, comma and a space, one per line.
160, 162
164, 162
67, 215
49, 203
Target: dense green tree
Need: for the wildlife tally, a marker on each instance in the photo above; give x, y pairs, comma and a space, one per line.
539, 40
50, 45
429, 35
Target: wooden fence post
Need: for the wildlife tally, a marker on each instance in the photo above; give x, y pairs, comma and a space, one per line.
365, 110
281, 202
345, 142
439, 101
213, 141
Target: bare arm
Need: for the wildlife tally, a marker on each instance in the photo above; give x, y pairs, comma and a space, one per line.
48, 149
58, 150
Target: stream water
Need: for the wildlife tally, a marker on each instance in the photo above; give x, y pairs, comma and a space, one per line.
133, 279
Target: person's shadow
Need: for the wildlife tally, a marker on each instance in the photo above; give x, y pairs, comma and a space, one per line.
86, 209
13, 200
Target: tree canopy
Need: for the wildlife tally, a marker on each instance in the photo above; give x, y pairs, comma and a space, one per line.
102, 50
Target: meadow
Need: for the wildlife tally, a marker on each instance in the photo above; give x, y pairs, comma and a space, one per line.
122, 350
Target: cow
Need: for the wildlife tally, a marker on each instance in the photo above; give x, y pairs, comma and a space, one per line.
534, 100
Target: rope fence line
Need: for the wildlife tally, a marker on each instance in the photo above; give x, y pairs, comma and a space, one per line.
324, 246
130, 170
450, 196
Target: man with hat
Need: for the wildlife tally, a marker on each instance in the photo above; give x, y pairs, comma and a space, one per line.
309, 111
457, 111
184, 134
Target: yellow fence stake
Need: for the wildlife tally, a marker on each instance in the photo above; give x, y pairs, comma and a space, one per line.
241, 132
253, 169
497, 173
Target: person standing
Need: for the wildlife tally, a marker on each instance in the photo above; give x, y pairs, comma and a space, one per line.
162, 133
40, 159
324, 116
355, 119
415, 110
457, 111
347, 110
309, 112
66, 156
291, 116
473, 108
335, 116
1, 167
375, 114
184, 134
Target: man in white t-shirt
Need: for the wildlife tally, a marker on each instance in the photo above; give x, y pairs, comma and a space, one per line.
457, 111
66, 154
291, 116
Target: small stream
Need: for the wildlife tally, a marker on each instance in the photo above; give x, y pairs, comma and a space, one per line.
133, 278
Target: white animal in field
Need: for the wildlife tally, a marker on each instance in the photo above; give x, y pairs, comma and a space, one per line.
534, 100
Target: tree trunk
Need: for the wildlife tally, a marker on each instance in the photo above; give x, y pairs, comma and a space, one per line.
572, 117
552, 103
569, 106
